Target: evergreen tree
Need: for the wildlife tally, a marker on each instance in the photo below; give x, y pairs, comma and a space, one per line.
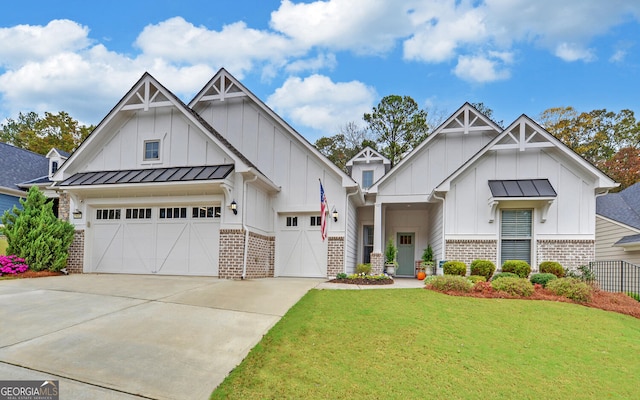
35, 234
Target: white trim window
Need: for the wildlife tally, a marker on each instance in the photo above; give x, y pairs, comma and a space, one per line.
515, 235
367, 178
151, 150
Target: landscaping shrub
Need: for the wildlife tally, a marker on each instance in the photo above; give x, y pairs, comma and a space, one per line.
35, 234
571, 288
583, 273
518, 267
341, 275
542, 279
484, 268
477, 278
504, 275
11, 265
552, 267
363, 268
455, 268
450, 282
513, 286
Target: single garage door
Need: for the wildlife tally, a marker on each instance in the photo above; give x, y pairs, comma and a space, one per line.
155, 240
300, 250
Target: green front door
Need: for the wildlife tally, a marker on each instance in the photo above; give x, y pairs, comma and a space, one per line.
406, 254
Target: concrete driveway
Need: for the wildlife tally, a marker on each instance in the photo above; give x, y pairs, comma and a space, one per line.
131, 336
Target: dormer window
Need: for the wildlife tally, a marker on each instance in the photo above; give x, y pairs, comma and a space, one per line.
54, 167
367, 179
151, 150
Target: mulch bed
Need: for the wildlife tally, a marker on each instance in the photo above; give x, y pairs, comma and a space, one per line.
362, 281
32, 274
616, 302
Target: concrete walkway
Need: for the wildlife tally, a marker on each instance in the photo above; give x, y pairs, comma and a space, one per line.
131, 336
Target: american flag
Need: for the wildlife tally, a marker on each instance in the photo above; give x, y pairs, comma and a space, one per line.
323, 213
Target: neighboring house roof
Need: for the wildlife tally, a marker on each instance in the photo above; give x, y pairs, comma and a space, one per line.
623, 207
628, 240
19, 165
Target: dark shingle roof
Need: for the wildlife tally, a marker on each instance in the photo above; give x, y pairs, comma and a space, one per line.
62, 152
19, 165
628, 240
150, 175
522, 188
623, 207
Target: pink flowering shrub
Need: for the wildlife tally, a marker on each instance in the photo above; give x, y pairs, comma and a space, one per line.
11, 265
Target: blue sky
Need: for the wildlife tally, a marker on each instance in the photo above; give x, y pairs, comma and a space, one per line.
322, 64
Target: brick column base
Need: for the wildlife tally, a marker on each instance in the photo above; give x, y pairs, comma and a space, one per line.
335, 256
231, 253
75, 261
377, 263
569, 253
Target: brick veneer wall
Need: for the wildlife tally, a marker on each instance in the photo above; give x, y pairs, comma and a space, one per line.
335, 255
260, 256
75, 261
63, 206
377, 263
569, 253
231, 253
469, 250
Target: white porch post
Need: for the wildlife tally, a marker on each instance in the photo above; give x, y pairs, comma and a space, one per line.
377, 259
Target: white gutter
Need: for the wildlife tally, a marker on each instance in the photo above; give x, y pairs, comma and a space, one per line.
346, 229
244, 226
444, 213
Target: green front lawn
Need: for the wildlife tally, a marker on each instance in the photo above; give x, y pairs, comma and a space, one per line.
422, 344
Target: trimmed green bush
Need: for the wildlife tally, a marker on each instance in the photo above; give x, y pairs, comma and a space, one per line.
518, 267
477, 278
571, 288
484, 268
450, 282
513, 286
35, 234
455, 268
551, 267
504, 275
363, 268
634, 296
542, 279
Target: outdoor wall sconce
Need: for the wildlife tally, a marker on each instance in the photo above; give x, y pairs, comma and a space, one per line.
77, 214
234, 207
334, 214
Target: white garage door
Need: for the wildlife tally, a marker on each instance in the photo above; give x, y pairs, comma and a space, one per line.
155, 240
300, 250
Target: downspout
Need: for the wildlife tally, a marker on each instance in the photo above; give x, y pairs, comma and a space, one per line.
244, 226
444, 211
346, 229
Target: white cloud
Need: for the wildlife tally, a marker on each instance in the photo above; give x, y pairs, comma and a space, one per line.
481, 68
442, 27
361, 26
322, 61
236, 47
320, 103
25, 43
571, 52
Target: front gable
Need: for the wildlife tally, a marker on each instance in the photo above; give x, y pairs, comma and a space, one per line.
449, 147
149, 117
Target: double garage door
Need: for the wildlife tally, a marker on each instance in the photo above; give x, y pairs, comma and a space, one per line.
169, 240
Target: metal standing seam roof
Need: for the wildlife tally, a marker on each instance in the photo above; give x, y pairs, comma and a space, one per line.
522, 188
173, 174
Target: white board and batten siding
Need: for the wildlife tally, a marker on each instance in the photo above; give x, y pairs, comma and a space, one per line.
287, 162
569, 214
181, 143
